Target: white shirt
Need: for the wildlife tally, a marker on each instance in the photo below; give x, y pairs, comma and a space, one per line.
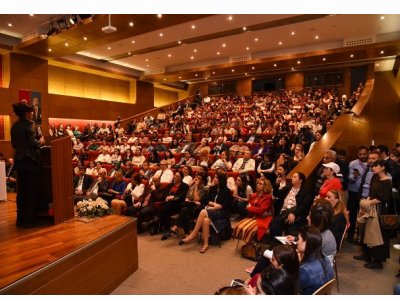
104, 158
166, 177
250, 165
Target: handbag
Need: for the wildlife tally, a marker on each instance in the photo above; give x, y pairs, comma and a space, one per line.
390, 222
251, 251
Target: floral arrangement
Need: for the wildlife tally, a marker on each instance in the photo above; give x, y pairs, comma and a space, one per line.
93, 209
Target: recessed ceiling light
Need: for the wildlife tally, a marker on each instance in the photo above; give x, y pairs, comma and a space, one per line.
223, 45
213, 73
194, 50
253, 68
165, 79
192, 57
218, 53
131, 24
256, 39
324, 58
233, 70
377, 65
274, 65
205, 78
147, 66
31, 15
230, 18
133, 42
382, 52
146, 60
280, 43
382, 17
193, 26
351, 55
169, 55
245, 74
85, 38
298, 62
50, 50
292, 69
108, 48
244, 28
247, 48
316, 37
293, 33
195, 74
179, 42
161, 34
9, 25
66, 44
180, 77
159, 16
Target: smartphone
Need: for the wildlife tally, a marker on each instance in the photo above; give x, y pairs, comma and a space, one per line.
235, 282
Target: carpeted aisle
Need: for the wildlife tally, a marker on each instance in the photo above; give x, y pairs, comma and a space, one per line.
168, 269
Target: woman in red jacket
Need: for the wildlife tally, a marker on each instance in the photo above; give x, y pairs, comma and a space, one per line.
260, 209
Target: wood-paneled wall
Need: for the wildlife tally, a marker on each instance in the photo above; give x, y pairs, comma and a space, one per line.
244, 86
80, 84
294, 81
164, 97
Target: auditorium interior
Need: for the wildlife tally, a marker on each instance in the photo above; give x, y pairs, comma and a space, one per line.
122, 90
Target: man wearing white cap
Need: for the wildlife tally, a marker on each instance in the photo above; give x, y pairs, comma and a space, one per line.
331, 170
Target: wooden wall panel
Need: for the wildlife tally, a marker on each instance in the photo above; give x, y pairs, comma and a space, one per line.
164, 97
244, 86
6, 149
145, 94
91, 109
79, 84
294, 81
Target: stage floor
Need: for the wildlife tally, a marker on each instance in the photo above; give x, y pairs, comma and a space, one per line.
24, 251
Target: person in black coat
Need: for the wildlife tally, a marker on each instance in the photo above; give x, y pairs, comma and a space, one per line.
292, 208
27, 160
216, 212
82, 182
173, 201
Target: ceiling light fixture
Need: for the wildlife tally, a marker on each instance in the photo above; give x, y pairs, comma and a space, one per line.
244, 28
223, 45
292, 69
50, 50
73, 19
159, 16
85, 38
253, 68
129, 53
109, 48
382, 17
9, 25
351, 55
193, 26
169, 55
256, 39
233, 70
245, 74
195, 75
324, 58
218, 53
293, 33
298, 62
230, 18
131, 24
179, 42
247, 48
382, 52
192, 57
274, 65
161, 34
31, 15
146, 60
66, 44
377, 65
194, 50
280, 43
316, 37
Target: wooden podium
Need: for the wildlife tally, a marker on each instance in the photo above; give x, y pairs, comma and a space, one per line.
56, 186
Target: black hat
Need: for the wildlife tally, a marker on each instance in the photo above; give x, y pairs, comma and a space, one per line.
21, 108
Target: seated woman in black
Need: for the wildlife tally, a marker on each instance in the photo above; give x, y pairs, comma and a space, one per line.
216, 212
191, 207
295, 203
173, 201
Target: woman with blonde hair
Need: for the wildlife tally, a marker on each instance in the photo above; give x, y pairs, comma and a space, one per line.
261, 211
340, 220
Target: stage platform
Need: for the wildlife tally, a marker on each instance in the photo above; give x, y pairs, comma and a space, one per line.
69, 258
